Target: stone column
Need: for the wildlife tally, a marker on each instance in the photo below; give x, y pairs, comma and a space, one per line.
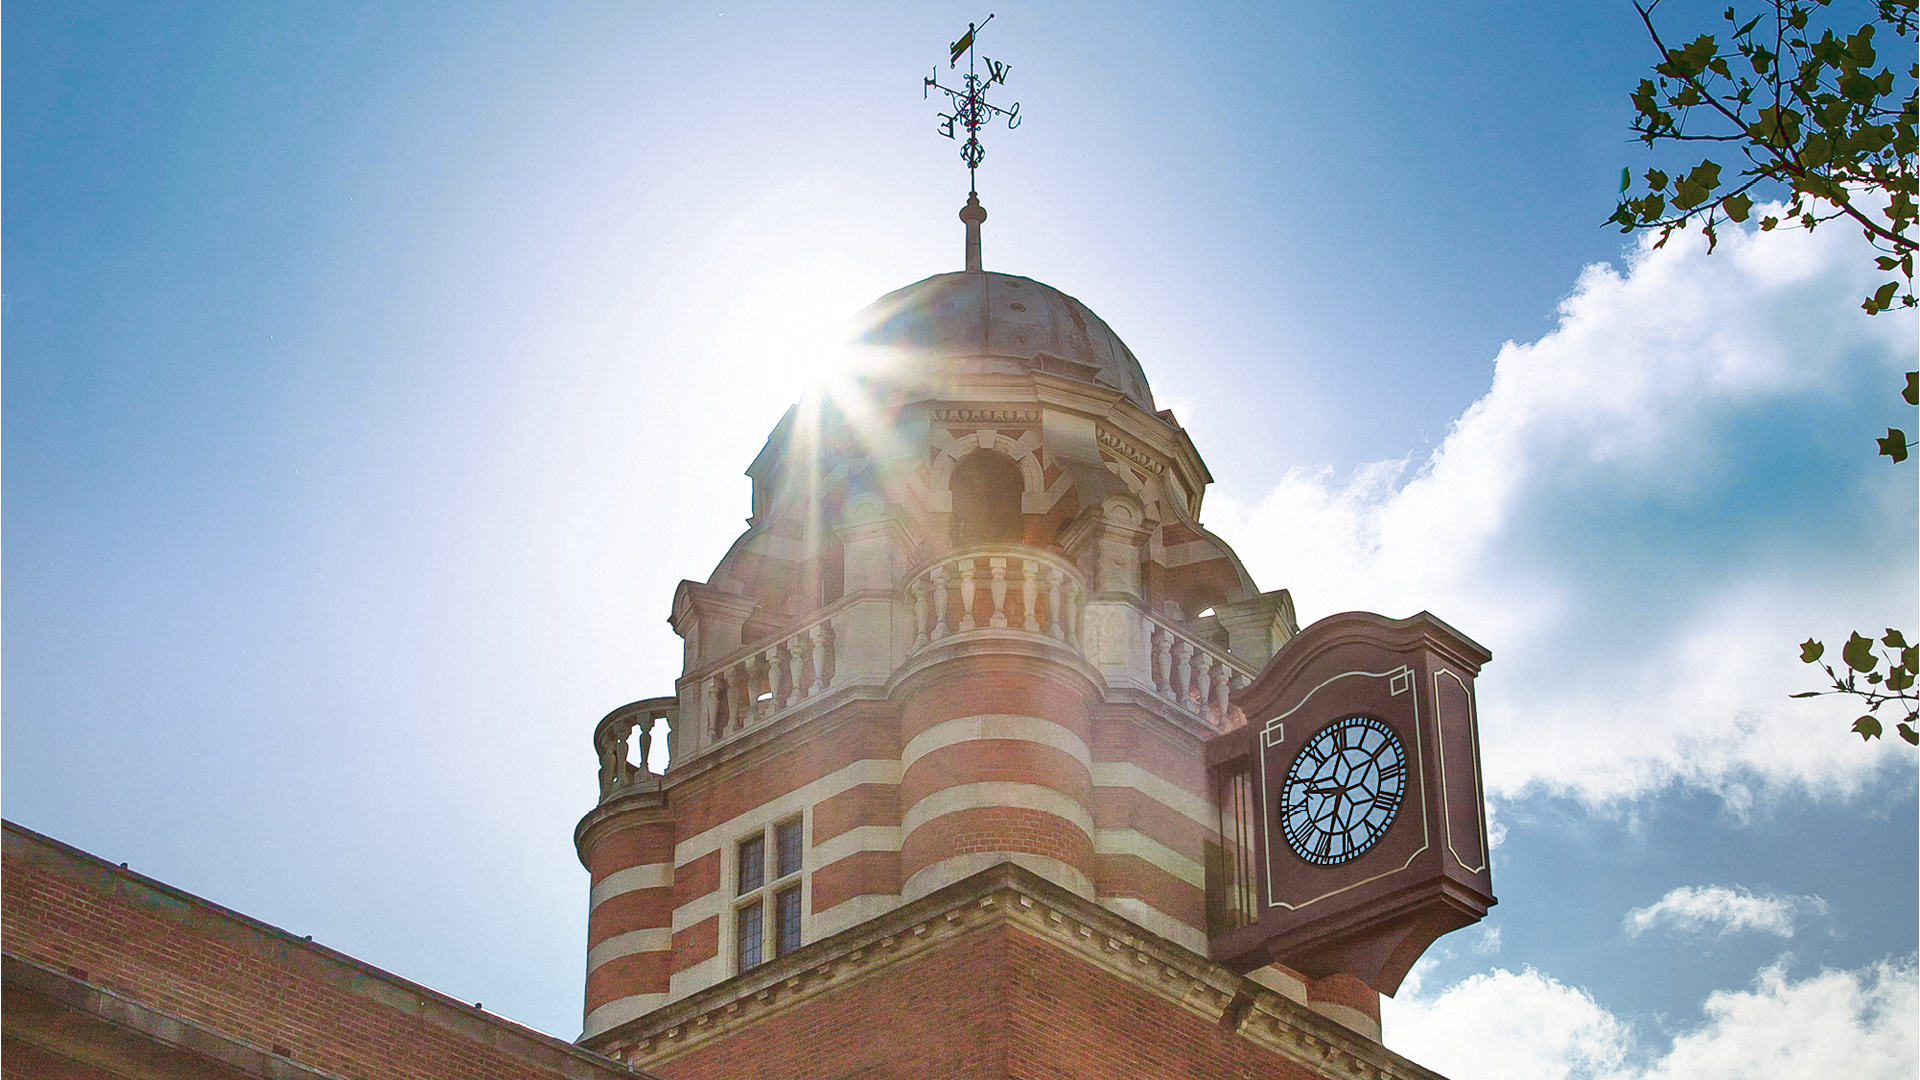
877, 628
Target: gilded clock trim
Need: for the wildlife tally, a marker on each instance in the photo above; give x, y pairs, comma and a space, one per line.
1479, 789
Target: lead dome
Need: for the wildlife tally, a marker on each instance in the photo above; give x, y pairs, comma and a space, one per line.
980, 322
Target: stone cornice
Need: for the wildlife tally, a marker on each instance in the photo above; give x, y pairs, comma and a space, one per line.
608, 816
1114, 442
694, 598
1009, 896
973, 414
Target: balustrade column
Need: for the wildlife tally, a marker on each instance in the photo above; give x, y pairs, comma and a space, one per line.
796, 668
997, 589
1162, 660
1029, 594
1056, 580
736, 716
1222, 686
966, 594
920, 634
710, 708
818, 636
1182, 669
939, 602
770, 662
1202, 680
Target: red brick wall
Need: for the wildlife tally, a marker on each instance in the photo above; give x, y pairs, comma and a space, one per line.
994, 1003
854, 733
252, 983
942, 1015
863, 873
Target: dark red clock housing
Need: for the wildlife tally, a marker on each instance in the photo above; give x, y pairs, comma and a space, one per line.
1427, 873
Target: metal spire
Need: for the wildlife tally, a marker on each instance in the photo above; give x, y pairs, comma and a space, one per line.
971, 111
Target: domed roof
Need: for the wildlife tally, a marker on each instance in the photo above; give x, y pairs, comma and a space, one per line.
1001, 317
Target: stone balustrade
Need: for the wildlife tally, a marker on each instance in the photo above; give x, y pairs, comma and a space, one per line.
612, 737
1194, 675
763, 680
1007, 587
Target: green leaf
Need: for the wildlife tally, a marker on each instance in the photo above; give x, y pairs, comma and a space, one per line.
1807, 693
1894, 639
1811, 651
1907, 733
1912, 392
1899, 679
1737, 206
1626, 181
1768, 224
1882, 298
1868, 727
1894, 445
1858, 653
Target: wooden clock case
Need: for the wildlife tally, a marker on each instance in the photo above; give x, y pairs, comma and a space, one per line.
1428, 874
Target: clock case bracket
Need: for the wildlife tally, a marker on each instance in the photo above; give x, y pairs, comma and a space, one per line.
1426, 875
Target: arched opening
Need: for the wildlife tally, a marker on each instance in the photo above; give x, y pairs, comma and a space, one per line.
1197, 601
986, 490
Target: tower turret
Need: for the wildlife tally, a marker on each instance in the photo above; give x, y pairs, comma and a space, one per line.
974, 619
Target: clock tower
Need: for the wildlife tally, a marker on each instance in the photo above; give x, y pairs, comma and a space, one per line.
983, 740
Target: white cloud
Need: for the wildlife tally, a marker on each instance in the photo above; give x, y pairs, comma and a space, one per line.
1648, 509
1488, 942
1499, 1024
1695, 909
1858, 1025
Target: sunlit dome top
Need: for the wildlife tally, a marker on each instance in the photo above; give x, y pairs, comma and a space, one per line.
1012, 323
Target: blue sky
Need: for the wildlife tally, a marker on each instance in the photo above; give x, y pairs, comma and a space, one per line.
374, 372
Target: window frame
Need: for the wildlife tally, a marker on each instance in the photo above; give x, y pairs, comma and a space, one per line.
767, 894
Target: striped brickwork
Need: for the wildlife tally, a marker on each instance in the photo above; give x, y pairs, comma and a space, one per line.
841, 776
630, 917
996, 768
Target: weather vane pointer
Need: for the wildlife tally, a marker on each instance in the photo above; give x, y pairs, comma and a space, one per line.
970, 109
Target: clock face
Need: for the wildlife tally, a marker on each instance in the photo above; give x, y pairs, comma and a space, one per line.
1343, 790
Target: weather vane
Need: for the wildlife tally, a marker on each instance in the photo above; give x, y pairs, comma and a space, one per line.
971, 110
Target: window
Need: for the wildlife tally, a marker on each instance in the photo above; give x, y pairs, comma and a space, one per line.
786, 843
750, 938
753, 864
786, 916
986, 489
760, 898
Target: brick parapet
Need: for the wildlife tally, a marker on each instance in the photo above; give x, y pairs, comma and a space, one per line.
168, 951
